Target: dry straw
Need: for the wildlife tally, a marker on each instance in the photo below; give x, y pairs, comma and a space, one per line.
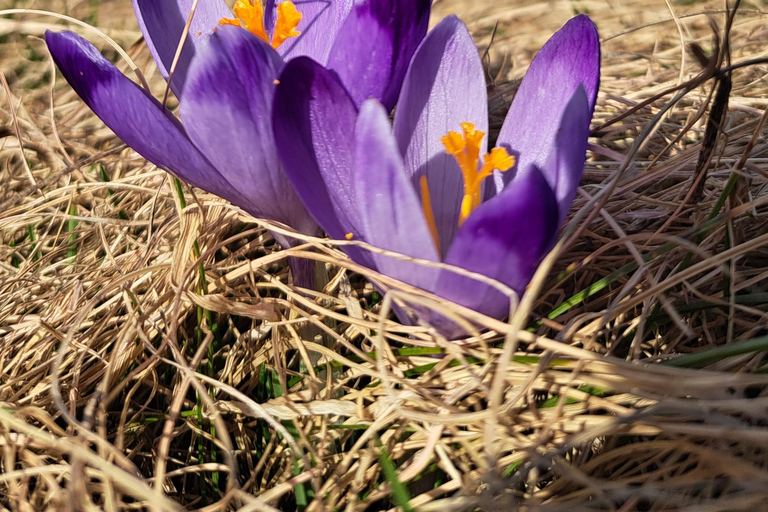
631, 376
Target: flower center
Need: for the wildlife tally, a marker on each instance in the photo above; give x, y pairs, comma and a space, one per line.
465, 148
251, 17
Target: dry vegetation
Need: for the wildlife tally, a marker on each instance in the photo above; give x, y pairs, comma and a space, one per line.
633, 376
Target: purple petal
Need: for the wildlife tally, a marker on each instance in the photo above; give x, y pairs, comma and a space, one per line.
135, 116
320, 22
569, 60
303, 271
444, 87
375, 45
504, 239
270, 16
227, 111
162, 23
566, 164
391, 211
314, 124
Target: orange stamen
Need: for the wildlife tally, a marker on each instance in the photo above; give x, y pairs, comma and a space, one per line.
250, 15
465, 148
426, 204
288, 18
227, 21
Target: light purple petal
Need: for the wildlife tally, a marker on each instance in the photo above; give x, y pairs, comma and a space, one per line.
375, 45
314, 124
566, 163
227, 111
504, 239
135, 116
320, 22
569, 60
391, 211
162, 23
444, 87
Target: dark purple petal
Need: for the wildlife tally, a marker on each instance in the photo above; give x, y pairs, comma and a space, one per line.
391, 211
375, 45
135, 116
162, 23
504, 239
320, 22
227, 111
303, 271
444, 87
314, 124
569, 60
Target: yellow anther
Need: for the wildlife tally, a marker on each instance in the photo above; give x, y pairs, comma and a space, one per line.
250, 14
349, 236
251, 17
227, 21
454, 143
465, 148
499, 159
473, 137
288, 18
429, 214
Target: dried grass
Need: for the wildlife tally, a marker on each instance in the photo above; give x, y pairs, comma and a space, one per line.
122, 387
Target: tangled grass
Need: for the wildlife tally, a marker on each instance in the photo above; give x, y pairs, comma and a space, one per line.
155, 356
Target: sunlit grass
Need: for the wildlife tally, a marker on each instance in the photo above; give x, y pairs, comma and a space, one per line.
138, 338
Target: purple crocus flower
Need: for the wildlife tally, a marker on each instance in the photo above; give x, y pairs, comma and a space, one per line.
369, 43
420, 189
225, 79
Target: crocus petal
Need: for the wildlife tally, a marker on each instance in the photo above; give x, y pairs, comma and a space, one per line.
314, 122
444, 87
504, 239
162, 23
320, 22
303, 271
135, 116
566, 163
569, 60
227, 111
391, 211
375, 45
270, 16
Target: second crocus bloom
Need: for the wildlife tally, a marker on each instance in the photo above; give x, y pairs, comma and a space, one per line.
225, 79
429, 188
369, 43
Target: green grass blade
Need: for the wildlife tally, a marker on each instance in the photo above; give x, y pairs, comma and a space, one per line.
716, 354
400, 493
300, 490
71, 227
